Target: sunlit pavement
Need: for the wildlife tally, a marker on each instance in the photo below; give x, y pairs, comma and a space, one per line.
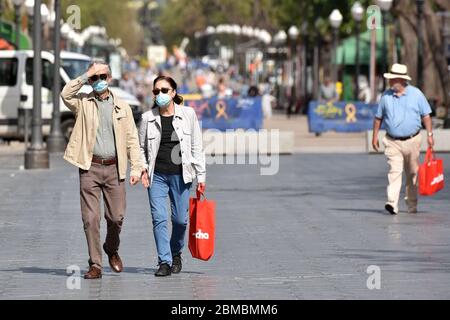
308, 142
309, 232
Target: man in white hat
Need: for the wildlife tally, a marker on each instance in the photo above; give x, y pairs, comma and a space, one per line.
402, 108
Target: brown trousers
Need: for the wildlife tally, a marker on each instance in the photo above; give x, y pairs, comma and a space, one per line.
102, 179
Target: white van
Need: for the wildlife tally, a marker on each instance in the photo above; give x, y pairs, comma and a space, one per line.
16, 90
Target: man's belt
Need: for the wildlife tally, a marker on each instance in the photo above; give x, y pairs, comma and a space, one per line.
403, 138
103, 161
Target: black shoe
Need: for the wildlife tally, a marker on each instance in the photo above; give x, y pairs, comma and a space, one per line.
163, 271
176, 264
390, 209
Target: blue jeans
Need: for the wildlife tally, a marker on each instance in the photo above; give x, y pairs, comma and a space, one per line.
178, 191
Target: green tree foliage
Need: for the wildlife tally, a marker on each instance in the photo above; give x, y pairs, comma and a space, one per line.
181, 18
315, 13
116, 16
184, 17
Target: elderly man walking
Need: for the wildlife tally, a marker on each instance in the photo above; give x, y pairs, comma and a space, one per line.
402, 108
103, 139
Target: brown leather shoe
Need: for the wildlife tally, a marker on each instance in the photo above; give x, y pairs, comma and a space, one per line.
114, 261
93, 273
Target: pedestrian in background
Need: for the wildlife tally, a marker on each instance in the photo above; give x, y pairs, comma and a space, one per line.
172, 153
328, 90
103, 139
222, 89
402, 109
127, 83
364, 94
253, 91
267, 102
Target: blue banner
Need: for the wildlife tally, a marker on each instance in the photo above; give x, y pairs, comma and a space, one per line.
340, 116
231, 113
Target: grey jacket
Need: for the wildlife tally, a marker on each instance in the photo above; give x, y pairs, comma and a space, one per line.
187, 128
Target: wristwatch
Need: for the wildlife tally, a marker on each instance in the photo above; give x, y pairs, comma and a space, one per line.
430, 134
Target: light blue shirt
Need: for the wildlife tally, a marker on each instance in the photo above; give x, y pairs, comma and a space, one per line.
402, 115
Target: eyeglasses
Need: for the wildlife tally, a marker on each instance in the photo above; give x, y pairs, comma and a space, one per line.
163, 90
96, 77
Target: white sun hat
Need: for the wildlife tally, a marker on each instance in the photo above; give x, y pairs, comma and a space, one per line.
398, 71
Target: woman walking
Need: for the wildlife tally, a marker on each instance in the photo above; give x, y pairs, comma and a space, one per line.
172, 153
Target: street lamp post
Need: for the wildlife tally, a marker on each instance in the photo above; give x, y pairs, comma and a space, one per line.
420, 4
237, 33
304, 74
357, 13
335, 21
210, 30
293, 35
45, 15
279, 40
385, 6
56, 141
197, 36
29, 5
17, 6
36, 156
316, 82
65, 30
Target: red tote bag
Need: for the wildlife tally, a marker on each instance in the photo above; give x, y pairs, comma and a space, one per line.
431, 174
201, 227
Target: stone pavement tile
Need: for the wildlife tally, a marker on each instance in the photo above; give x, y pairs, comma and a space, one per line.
328, 142
309, 232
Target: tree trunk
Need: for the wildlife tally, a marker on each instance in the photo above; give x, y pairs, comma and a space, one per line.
434, 35
436, 77
407, 21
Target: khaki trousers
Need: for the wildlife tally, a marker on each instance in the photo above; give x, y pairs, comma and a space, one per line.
402, 155
102, 179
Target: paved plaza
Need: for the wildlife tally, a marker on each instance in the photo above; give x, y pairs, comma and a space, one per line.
309, 232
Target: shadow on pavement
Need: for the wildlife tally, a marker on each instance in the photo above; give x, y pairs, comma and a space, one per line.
378, 211
107, 270
56, 272
397, 257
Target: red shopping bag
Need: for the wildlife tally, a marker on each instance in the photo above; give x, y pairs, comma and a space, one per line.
431, 174
201, 227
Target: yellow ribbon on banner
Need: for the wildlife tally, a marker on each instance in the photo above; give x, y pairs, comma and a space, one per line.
192, 96
350, 110
221, 108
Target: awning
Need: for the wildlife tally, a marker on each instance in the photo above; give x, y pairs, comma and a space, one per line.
7, 32
346, 53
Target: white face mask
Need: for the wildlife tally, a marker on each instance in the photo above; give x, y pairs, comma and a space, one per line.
163, 100
100, 86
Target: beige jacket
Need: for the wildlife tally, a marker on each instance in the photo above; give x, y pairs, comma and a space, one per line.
187, 128
79, 151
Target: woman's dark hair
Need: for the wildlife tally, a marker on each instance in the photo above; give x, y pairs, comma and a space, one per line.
177, 99
253, 91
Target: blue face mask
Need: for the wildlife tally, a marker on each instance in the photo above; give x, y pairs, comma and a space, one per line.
163, 100
100, 86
